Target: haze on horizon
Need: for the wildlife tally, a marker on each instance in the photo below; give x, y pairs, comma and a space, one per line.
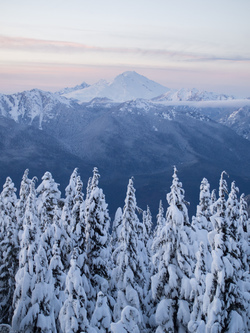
52, 44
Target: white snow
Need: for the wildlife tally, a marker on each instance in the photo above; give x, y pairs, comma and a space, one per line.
126, 86
191, 95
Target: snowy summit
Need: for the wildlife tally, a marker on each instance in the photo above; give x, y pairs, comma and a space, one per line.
126, 86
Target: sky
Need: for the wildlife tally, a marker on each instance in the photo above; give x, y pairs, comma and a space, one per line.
52, 44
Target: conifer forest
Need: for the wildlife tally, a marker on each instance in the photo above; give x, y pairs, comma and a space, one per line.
66, 267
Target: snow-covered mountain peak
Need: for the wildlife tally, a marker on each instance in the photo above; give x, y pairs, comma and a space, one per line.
31, 104
194, 94
126, 86
70, 89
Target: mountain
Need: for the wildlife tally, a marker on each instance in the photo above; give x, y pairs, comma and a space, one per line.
24, 146
145, 140
32, 107
126, 86
141, 138
191, 95
67, 90
239, 121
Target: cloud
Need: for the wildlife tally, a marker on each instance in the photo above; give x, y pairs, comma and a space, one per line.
50, 46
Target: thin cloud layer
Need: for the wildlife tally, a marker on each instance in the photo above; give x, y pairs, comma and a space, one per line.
52, 46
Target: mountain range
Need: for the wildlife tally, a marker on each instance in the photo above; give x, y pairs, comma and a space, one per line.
131, 126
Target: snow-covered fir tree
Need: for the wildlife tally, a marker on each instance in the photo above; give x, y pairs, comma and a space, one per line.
60, 238
26, 274
40, 316
21, 203
77, 223
97, 237
225, 308
78, 240
101, 318
245, 226
198, 319
160, 222
116, 229
171, 286
201, 223
66, 216
130, 319
203, 211
73, 314
9, 250
127, 272
48, 196
58, 282
70, 190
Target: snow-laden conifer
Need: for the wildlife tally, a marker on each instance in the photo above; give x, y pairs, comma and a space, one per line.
60, 238
78, 224
130, 319
198, 319
245, 225
213, 202
58, 282
223, 299
73, 314
66, 229
97, 238
21, 202
101, 318
26, 274
127, 272
160, 222
40, 316
48, 196
203, 211
9, 249
66, 217
174, 262
201, 222
116, 229
70, 190
78, 240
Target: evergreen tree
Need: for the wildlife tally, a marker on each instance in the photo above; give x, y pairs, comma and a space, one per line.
130, 318
73, 314
26, 274
66, 230
160, 222
78, 236
201, 223
9, 248
203, 212
48, 196
58, 281
97, 238
173, 264
198, 319
225, 307
66, 216
21, 203
101, 317
60, 238
78, 224
40, 317
116, 229
127, 272
245, 228
70, 190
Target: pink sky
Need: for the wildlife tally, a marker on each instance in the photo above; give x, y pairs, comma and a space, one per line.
54, 44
